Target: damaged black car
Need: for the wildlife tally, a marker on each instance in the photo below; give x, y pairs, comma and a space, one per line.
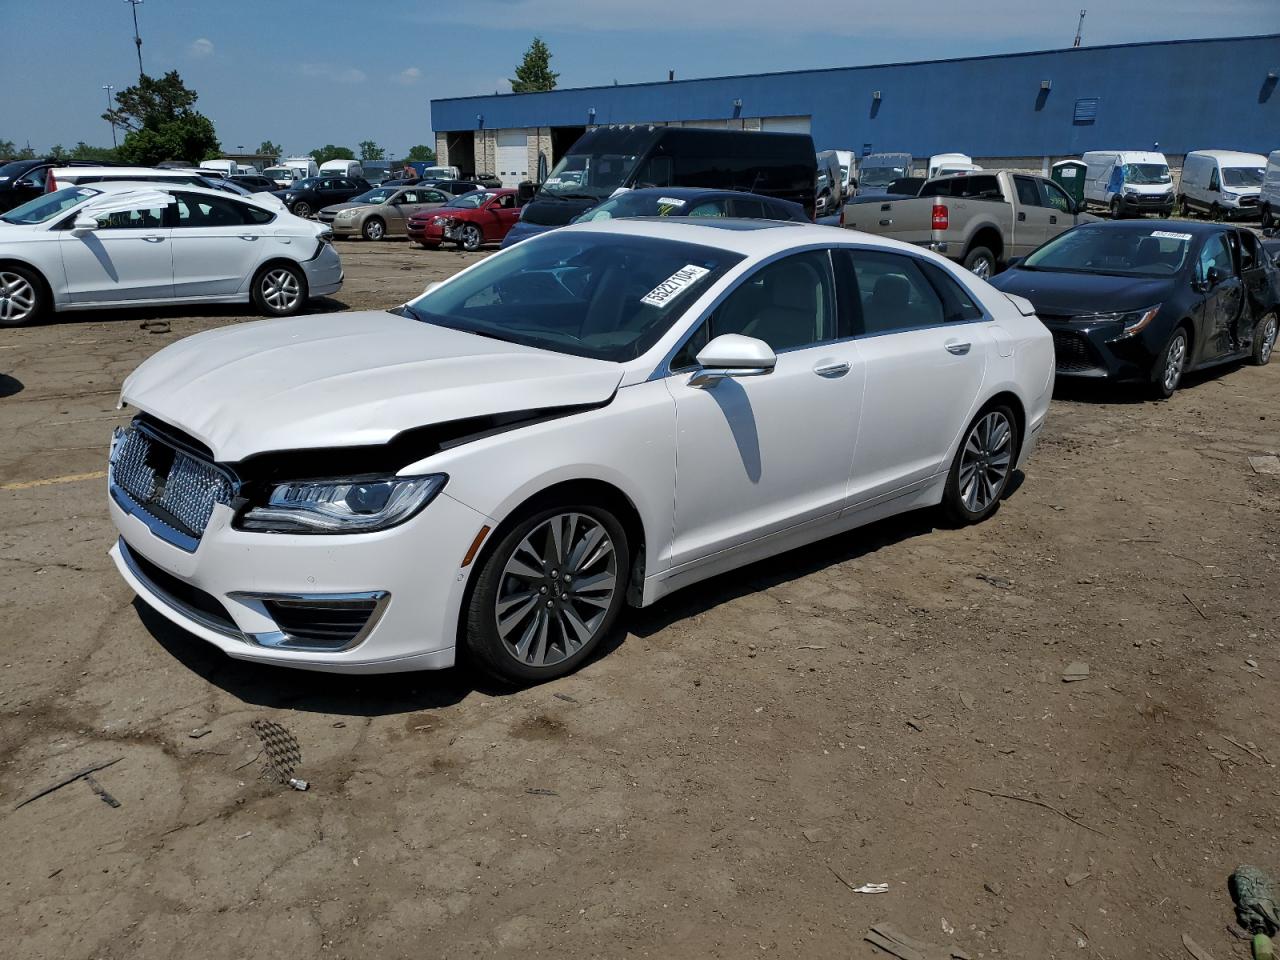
1148, 302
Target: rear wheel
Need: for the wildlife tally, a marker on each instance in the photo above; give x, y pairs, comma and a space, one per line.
981, 262
983, 466
1166, 372
374, 229
548, 592
1264, 340
280, 290
1182, 206
1267, 221
1215, 212
301, 209
1116, 212
469, 237
22, 297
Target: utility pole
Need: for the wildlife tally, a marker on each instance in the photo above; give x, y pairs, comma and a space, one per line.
1079, 28
137, 37
108, 87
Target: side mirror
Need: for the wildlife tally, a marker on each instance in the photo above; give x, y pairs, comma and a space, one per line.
1213, 277
84, 224
525, 191
1214, 188
733, 355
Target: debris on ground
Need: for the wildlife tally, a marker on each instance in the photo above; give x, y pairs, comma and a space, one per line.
816, 834
993, 888
1263, 949
101, 791
916, 725
891, 940
1193, 948
872, 888
1253, 892
70, 778
1000, 583
1075, 878
299, 784
565, 697
154, 326
282, 750
1265, 465
541, 792
1075, 671
199, 732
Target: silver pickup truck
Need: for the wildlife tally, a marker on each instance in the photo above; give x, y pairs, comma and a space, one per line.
981, 220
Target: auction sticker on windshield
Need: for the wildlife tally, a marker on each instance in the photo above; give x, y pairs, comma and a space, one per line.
670, 288
1169, 235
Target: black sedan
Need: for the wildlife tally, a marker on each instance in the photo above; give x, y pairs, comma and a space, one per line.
1149, 301
307, 196
23, 180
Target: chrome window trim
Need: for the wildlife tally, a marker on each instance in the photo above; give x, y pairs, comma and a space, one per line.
172, 602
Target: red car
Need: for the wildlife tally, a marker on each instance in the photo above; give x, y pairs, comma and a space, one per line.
473, 219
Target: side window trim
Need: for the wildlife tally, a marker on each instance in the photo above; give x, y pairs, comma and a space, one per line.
983, 315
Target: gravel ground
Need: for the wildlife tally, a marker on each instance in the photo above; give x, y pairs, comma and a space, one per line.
885, 707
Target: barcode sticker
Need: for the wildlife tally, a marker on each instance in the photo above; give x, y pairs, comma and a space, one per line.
1168, 235
670, 288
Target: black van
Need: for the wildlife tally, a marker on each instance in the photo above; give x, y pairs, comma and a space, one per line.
782, 165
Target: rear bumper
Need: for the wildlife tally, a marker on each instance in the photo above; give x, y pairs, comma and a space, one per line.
324, 272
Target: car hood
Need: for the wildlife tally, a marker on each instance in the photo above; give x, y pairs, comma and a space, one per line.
1078, 294
349, 379
335, 207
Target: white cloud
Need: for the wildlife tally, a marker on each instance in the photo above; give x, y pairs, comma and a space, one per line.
201, 48
327, 71
408, 76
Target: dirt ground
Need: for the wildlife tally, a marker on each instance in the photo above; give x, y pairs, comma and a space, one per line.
719, 780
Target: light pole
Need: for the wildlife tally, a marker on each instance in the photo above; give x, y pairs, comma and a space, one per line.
137, 37
108, 87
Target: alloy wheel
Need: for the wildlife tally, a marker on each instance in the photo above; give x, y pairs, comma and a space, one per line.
1268, 338
556, 589
17, 299
471, 238
1175, 359
986, 461
373, 230
281, 289
981, 268
302, 209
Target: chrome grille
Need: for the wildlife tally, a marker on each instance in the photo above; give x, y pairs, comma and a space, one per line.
167, 484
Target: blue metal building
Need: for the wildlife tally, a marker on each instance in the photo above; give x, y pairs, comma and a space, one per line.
1029, 107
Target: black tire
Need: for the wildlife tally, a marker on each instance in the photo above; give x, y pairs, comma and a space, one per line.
957, 507
470, 238
373, 229
1182, 206
1163, 379
482, 639
1215, 213
1264, 340
1267, 222
24, 297
275, 296
981, 262
301, 209
1116, 212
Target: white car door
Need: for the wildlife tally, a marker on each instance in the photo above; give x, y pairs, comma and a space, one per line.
925, 346
756, 455
127, 257
216, 244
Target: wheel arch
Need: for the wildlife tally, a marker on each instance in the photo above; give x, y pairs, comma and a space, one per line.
8, 261
988, 235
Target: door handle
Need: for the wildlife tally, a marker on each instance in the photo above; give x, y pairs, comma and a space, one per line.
958, 348
886, 223
154, 239
248, 236
834, 368
1053, 218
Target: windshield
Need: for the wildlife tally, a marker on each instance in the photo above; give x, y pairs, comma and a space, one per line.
881, 176
49, 205
306, 184
14, 168
588, 294
1146, 173
1243, 176
590, 175
1128, 251
469, 201
635, 205
378, 195
278, 173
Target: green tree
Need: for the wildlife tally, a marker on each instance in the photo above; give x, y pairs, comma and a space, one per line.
371, 151
82, 151
330, 152
269, 149
423, 153
7, 148
534, 73
161, 122
58, 152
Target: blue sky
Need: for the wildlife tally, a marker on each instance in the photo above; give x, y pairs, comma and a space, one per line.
341, 71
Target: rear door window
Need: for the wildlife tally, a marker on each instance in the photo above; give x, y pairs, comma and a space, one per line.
890, 292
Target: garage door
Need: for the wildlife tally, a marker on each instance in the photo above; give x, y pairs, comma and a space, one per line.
707, 124
513, 157
785, 124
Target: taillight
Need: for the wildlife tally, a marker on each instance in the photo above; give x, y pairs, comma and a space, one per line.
941, 219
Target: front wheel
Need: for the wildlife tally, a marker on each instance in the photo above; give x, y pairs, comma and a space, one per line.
547, 593
1267, 221
470, 238
374, 229
280, 290
22, 296
301, 209
1116, 212
981, 262
1264, 340
1166, 372
1215, 213
982, 468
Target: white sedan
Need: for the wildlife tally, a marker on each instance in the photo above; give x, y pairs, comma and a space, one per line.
123, 244
591, 419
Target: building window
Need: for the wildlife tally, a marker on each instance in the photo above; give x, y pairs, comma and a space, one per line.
1086, 110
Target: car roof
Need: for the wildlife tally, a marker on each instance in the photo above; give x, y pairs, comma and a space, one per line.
1196, 229
135, 186
1238, 157
751, 238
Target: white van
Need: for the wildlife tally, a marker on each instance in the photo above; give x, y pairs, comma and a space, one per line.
1269, 198
441, 173
342, 168
849, 170
949, 164
1128, 181
1222, 183
225, 168
306, 166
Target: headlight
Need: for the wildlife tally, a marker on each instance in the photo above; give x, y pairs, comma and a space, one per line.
1134, 320
357, 505
439, 221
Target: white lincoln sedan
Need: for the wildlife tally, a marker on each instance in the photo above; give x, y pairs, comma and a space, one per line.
125, 244
591, 419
